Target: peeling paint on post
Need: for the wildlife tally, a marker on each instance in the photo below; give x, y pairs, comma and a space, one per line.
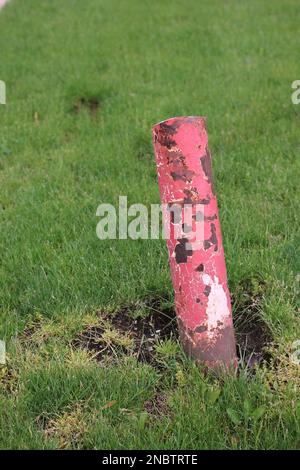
2, 3
199, 278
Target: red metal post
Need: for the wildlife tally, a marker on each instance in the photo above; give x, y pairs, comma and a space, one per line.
199, 275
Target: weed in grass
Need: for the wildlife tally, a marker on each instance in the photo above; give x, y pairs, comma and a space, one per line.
282, 374
68, 428
9, 380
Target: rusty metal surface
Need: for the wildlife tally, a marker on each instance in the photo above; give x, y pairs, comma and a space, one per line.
199, 276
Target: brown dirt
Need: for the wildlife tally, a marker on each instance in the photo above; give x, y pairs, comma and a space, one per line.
253, 334
158, 406
144, 332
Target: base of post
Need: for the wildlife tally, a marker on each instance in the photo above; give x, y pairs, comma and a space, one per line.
217, 353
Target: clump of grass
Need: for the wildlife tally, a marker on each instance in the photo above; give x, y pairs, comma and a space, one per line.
9, 380
283, 374
68, 428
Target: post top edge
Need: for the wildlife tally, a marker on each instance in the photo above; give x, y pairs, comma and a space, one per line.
179, 118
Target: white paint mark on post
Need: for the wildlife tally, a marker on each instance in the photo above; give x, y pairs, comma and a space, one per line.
218, 313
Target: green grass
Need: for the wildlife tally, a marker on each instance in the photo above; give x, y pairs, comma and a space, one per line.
232, 61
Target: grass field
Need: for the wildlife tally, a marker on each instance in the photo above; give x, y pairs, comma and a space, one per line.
140, 63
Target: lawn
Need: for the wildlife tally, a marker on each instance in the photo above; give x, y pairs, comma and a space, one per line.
86, 81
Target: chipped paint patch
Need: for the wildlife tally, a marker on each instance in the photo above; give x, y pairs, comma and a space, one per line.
217, 310
3, 2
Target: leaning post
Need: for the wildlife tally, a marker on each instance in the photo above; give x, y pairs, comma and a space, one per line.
198, 269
